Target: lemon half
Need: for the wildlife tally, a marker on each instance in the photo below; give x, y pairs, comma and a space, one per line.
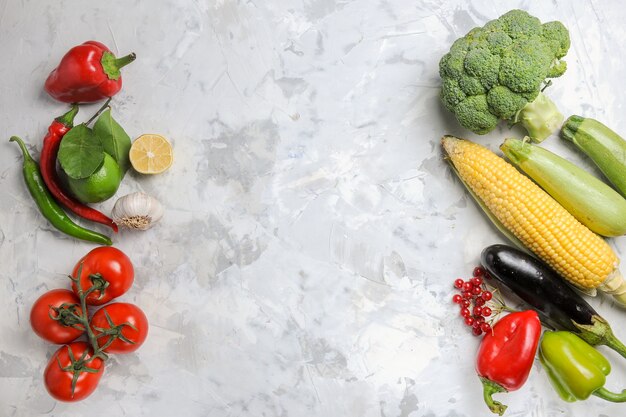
151, 154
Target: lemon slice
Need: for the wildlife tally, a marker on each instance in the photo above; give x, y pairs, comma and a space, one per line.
151, 154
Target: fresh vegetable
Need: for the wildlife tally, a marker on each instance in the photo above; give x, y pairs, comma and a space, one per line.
106, 271
606, 148
498, 72
472, 302
576, 370
542, 289
48, 162
99, 185
137, 211
151, 154
73, 373
87, 73
120, 327
53, 316
94, 161
506, 355
48, 206
527, 214
75, 369
591, 201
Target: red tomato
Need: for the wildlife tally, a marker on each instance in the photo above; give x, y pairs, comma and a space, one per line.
59, 382
106, 263
56, 331
121, 313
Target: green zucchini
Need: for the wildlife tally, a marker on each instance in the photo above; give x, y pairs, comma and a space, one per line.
606, 148
591, 201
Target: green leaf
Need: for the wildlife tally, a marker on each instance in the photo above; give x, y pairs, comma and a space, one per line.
81, 152
115, 140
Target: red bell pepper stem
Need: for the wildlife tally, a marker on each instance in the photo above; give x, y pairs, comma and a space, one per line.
111, 65
490, 388
123, 61
47, 163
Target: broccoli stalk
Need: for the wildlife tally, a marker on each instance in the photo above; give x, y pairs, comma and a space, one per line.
540, 118
496, 72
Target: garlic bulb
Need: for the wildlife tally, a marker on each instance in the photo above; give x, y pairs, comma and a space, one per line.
137, 211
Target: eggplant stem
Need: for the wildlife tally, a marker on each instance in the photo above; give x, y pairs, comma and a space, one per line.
614, 343
599, 332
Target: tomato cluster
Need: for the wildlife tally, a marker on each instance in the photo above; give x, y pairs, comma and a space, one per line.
61, 316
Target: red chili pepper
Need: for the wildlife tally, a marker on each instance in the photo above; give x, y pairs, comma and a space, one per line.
87, 73
47, 164
506, 355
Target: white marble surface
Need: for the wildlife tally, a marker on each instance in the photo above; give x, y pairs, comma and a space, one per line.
312, 231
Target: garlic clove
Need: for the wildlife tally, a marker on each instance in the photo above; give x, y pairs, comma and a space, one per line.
137, 211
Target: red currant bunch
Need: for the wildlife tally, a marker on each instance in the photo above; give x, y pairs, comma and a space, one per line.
472, 301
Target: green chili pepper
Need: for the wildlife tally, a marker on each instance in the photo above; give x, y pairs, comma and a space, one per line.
576, 370
48, 206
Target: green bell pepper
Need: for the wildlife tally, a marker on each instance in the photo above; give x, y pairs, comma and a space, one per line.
576, 370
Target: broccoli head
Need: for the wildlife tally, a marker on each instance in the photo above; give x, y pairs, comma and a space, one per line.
496, 72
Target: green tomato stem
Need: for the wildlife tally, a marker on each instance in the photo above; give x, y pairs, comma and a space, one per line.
84, 317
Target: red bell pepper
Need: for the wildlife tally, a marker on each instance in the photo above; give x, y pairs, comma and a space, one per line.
87, 73
506, 355
47, 165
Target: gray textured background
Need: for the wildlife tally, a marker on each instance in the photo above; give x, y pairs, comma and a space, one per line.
312, 231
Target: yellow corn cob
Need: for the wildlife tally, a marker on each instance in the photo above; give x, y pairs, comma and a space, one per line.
536, 219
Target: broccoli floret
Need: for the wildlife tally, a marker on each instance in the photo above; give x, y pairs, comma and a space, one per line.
498, 42
471, 86
451, 93
498, 71
520, 25
504, 103
557, 36
452, 65
496, 26
526, 66
484, 65
530, 96
475, 111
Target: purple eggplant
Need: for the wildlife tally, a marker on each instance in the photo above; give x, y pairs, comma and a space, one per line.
543, 290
